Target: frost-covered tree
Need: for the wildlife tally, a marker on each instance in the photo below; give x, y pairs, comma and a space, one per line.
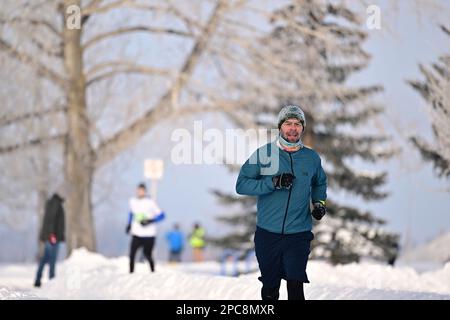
318, 46
109, 71
435, 89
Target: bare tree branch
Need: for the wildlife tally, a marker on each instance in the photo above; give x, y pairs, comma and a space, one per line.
34, 22
131, 4
95, 9
39, 68
106, 150
93, 4
129, 135
5, 121
52, 52
117, 64
30, 143
136, 70
189, 22
445, 29
122, 31
120, 67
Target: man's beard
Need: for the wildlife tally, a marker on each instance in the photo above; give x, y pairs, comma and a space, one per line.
285, 137
285, 143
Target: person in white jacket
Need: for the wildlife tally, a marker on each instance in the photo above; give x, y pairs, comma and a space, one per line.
142, 218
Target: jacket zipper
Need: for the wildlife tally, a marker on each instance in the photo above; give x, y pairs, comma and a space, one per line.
289, 197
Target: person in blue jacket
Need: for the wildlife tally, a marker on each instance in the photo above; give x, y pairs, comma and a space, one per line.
287, 178
176, 243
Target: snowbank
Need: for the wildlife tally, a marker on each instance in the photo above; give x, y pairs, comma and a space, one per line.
15, 294
431, 255
86, 275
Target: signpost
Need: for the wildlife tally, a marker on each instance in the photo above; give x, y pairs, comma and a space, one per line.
153, 170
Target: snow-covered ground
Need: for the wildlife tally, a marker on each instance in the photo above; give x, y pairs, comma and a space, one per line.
429, 256
86, 275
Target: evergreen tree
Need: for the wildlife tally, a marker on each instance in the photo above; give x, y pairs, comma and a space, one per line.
436, 91
323, 42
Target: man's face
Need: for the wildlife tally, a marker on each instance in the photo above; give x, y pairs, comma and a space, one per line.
291, 130
140, 192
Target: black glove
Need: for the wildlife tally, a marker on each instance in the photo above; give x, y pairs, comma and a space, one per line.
283, 181
147, 221
319, 211
127, 229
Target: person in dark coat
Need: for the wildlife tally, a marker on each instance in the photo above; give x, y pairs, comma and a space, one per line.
52, 233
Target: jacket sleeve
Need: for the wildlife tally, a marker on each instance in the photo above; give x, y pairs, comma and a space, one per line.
319, 185
250, 182
130, 218
60, 228
44, 227
160, 216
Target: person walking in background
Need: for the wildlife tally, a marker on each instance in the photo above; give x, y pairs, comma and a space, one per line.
197, 242
176, 243
283, 229
142, 218
52, 233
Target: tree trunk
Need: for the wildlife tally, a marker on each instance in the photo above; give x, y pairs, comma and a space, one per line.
42, 198
78, 152
308, 138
